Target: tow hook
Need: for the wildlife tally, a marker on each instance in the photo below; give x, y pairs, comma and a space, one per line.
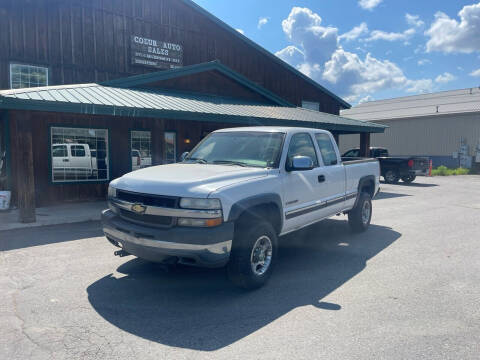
121, 253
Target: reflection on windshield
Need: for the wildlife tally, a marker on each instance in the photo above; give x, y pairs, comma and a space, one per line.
254, 149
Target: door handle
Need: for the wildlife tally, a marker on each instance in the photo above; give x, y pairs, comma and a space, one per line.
321, 178
66, 160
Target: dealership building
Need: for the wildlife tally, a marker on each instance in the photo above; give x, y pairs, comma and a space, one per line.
444, 126
93, 89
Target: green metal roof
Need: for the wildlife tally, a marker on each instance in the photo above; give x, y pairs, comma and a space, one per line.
273, 57
144, 79
97, 99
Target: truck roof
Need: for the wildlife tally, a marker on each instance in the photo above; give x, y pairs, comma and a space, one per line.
282, 129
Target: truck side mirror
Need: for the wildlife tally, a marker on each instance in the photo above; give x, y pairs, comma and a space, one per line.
301, 163
183, 156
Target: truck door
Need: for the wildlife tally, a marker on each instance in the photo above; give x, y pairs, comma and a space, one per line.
334, 187
302, 189
80, 161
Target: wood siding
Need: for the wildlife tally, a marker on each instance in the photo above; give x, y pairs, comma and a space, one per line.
38, 124
89, 41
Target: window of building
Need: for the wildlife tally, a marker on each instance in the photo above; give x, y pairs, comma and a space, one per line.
301, 145
170, 149
26, 76
141, 149
311, 105
79, 154
327, 150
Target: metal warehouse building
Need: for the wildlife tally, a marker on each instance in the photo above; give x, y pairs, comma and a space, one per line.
91, 90
444, 126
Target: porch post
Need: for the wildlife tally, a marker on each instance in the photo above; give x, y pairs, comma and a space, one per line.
365, 144
25, 178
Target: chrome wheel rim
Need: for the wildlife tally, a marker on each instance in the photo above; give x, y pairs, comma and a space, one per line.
261, 256
366, 212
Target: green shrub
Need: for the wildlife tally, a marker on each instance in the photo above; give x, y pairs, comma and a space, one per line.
444, 171
462, 171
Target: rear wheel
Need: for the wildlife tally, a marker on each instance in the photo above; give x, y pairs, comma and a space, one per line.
391, 177
253, 255
409, 178
360, 216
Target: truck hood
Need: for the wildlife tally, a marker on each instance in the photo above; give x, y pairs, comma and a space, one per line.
187, 180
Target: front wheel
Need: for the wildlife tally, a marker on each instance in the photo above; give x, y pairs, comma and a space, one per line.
360, 216
253, 255
409, 178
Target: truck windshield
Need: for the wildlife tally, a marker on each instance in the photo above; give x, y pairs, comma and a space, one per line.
253, 149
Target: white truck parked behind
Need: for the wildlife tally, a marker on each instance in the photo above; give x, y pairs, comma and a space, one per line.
73, 160
234, 195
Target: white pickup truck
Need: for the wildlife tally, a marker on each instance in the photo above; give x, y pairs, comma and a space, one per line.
234, 195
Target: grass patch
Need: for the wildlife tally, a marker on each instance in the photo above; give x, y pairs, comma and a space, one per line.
444, 171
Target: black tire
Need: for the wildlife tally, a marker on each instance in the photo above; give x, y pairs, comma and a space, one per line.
356, 219
391, 177
240, 268
408, 179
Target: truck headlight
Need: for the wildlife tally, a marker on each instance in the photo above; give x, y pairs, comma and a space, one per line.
112, 192
200, 222
200, 204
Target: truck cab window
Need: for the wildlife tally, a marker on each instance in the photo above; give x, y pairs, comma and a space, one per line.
301, 145
327, 149
78, 151
352, 153
60, 151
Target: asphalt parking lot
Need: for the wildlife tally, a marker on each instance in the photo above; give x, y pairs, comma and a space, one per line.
409, 288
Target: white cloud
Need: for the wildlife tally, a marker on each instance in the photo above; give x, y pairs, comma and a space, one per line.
475, 73
292, 55
391, 36
303, 28
369, 4
445, 78
355, 32
451, 36
316, 52
419, 86
366, 99
422, 62
262, 21
241, 31
414, 20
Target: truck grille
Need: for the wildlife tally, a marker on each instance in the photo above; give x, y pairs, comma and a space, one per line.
148, 220
147, 199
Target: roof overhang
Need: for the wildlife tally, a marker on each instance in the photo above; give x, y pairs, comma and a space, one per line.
95, 99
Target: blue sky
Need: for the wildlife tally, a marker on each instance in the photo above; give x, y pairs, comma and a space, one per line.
366, 49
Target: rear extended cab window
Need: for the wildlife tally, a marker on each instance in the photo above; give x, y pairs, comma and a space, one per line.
327, 150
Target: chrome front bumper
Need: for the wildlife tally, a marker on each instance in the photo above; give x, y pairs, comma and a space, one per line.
206, 247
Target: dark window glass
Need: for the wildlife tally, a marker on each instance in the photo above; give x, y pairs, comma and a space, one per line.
327, 150
352, 153
301, 145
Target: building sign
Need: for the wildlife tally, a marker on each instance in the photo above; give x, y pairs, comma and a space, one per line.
155, 53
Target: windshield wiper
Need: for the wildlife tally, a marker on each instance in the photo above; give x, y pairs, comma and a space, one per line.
197, 160
227, 162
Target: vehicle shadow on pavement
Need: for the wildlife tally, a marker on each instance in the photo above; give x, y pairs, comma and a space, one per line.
199, 309
53, 234
388, 195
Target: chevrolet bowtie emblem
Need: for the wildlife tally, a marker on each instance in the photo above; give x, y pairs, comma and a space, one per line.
139, 208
